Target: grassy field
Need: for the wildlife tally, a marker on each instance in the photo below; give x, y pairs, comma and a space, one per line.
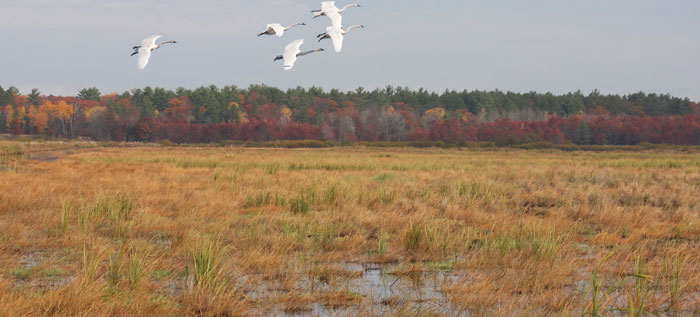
87, 230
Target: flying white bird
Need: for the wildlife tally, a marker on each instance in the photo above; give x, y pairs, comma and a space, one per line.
292, 51
330, 6
329, 9
278, 29
147, 46
337, 35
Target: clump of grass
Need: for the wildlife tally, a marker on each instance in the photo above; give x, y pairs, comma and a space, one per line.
332, 194
206, 261
595, 300
259, 200
114, 269
672, 272
162, 274
67, 210
115, 208
383, 177
324, 237
504, 243
108, 214
135, 270
546, 245
641, 288
426, 195
91, 262
386, 196
440, 266
125, 268
539, 245
382, 243
21, 273
413, 237
300, 205
53, 274
473, 192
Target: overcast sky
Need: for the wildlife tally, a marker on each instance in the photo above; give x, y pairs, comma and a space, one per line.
616, 46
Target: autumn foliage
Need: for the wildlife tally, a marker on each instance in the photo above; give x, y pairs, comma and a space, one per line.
261, 113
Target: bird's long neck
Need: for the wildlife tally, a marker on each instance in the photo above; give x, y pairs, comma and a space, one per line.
161, 44
293, 25
353, 27
347, 6
309, 52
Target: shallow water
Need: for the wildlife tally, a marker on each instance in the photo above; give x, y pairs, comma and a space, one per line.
383, 292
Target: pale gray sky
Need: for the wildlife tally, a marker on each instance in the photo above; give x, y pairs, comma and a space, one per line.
617, 46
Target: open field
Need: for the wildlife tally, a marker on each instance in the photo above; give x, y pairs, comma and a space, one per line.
86, 230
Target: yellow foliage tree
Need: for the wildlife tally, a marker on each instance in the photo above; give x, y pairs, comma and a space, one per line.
435, 114
244, 117
40, 119
286, 115
95, 113
60, 111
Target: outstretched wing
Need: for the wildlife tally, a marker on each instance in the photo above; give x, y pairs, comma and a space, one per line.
290, 53
278, 28
151, 40
337, 37
144, 56
328, 6
336, 18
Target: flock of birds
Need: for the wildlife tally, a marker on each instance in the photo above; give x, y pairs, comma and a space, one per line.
292, 51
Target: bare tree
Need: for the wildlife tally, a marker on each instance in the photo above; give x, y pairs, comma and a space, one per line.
392, 125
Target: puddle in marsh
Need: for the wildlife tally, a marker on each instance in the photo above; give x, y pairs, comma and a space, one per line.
384, 290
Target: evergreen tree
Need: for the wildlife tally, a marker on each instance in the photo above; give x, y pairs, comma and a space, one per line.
90, 94
584, 133
34, 97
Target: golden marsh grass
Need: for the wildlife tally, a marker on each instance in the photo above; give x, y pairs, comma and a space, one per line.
234, 231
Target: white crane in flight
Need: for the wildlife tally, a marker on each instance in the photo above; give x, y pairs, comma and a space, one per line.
147, 46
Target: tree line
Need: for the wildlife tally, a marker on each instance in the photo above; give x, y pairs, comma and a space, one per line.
263, 113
